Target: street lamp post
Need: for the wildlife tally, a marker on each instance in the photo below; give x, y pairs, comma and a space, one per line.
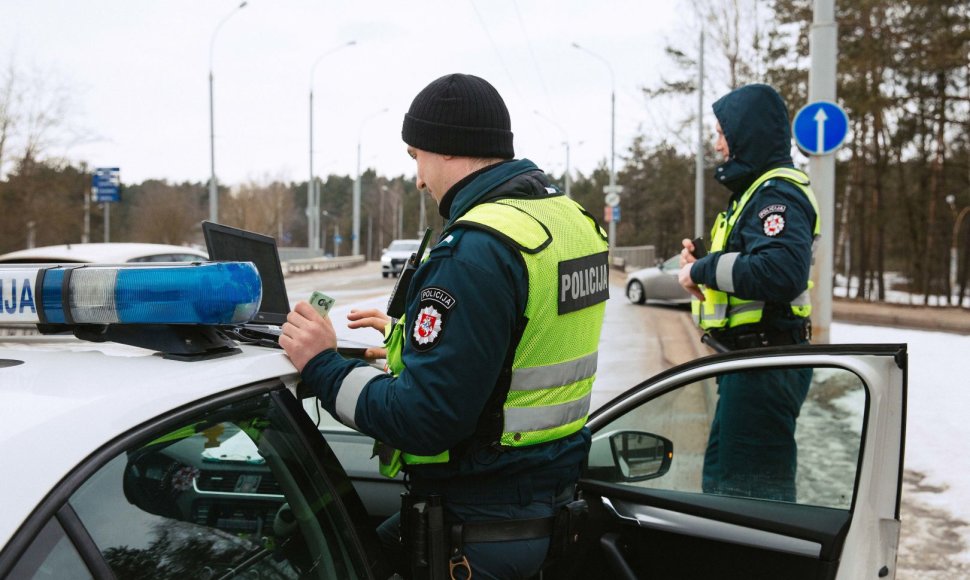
213, 184
957, 222
612, 188
355, 234
380, 210
313, 192
566, 143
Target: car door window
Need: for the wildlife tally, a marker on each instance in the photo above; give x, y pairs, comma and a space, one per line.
231, 492
51, 555
785, 434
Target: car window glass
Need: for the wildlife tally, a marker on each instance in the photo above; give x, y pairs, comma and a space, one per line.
732, 435
671, 264
51, 556
233, 492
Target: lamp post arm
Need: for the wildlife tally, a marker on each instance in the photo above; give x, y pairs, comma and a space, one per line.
212, 41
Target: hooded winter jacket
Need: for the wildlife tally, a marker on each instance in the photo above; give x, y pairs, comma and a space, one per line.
768, 253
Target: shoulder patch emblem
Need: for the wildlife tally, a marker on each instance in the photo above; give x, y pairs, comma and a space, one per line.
433, 308
773, 225
776, 208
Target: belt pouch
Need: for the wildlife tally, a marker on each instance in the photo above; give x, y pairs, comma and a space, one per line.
437, 550
568, 527
418, 538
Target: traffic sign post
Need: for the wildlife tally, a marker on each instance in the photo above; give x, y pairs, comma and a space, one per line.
820, 127
611, 213
106, 189
106, 185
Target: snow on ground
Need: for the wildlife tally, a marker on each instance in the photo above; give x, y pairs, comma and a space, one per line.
938, 411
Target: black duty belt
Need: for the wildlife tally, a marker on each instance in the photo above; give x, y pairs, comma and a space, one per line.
501, 530
757, 338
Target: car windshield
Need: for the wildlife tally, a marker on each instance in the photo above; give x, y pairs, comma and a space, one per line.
403, 246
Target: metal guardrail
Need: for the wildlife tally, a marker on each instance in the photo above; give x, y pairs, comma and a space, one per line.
300, 266
634, 257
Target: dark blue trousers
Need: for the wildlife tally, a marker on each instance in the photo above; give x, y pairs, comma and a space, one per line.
751, 450
488, 560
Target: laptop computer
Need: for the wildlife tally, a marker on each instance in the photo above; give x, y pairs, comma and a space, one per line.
229, 244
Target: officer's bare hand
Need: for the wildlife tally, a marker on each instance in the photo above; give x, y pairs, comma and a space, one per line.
368, 318
687, 254
306, 334
375, 353
685, 280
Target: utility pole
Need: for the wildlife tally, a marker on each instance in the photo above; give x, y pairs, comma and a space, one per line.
821, 87
699, 158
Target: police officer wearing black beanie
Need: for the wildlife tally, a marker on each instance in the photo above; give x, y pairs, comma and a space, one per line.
491, 367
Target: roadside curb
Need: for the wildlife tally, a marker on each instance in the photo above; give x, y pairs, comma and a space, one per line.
933, 318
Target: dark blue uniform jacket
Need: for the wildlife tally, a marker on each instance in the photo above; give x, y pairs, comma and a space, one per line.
435, 403
774, 264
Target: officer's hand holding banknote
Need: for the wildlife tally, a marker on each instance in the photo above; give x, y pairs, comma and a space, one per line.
308, 330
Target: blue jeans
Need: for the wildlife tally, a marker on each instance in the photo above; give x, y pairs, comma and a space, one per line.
751, 451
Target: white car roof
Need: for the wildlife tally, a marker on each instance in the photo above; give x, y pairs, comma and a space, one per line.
67, 398
110, 253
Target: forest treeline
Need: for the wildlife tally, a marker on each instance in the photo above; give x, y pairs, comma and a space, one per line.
903, 176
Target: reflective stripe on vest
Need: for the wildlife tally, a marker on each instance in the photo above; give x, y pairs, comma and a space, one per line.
720, 308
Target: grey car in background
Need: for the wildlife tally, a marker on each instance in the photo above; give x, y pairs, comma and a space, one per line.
657, 284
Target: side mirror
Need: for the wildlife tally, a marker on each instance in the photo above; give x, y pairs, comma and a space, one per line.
383, 251
641, 456
628, 456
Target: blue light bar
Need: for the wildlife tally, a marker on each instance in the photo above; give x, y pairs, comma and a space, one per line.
221, 293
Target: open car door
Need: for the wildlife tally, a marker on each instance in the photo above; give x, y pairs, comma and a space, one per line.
649, 516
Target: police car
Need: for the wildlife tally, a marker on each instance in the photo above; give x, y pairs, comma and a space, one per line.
144, 436
113, 253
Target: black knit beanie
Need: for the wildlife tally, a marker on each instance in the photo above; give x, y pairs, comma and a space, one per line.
459, 115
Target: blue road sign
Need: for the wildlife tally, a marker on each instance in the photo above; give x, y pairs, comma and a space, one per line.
616, 213
106, 184
820, 127
337, 239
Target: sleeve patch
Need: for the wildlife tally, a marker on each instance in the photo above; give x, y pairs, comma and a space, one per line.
774, 224
433, 308
776, 208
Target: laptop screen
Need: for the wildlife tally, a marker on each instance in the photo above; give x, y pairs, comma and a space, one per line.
227, 244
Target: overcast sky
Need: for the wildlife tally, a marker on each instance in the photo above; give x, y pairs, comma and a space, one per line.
138, 74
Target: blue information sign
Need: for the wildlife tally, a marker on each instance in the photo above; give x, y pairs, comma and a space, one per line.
820, 127
106, 184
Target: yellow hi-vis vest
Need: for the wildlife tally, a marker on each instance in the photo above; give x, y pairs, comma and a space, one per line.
555, 360
722, 310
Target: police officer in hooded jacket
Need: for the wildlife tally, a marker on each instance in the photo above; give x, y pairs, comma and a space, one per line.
490, 369
751, 290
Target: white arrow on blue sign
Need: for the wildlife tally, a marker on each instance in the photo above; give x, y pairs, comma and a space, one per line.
820, 127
